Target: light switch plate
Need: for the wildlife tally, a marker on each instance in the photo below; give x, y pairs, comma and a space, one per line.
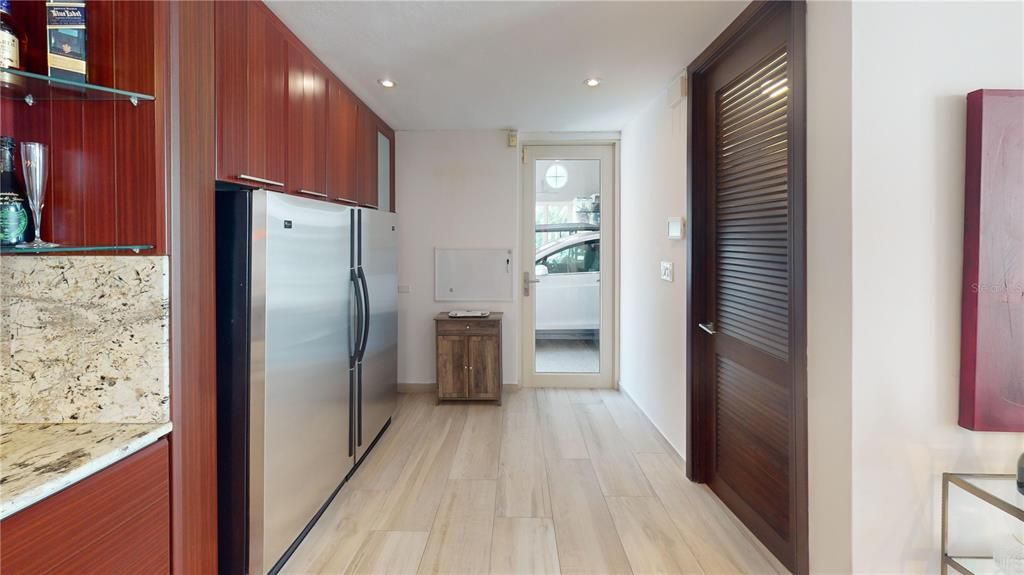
667, 273
676, 228
403, 289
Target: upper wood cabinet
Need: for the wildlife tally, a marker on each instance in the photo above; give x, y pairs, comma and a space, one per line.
341, 143
286, 123
375, 161
252, 91
307, 126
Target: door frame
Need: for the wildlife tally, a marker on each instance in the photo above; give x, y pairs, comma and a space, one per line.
610, 324
699, 388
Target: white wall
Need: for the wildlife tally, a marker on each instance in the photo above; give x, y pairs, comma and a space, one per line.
653, 312
454, 190
829, 284
913, 63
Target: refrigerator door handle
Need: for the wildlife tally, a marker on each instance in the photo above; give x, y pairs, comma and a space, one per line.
351, 414
366, 313
359, 399
356, 353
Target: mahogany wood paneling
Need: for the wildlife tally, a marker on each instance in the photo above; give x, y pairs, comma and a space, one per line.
108, 166
746, 381
252, 88
307, 115
98, 147
267, 94
193, 290
116, 521
366, 156
341, 143
991, 346
232, 90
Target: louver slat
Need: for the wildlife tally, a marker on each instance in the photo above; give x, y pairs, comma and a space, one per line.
752, 209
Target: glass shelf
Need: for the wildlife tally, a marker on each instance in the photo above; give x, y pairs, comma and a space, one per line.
974, 565
999, 491
982, 519
30, 87
7, 250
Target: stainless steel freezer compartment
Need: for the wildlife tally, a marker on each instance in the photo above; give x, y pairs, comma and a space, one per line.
376, 249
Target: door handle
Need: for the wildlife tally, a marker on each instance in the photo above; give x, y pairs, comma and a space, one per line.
708, 327
526, 283
366, 311
358, 344
260, 180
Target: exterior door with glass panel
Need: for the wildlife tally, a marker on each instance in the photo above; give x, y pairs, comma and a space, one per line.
567, 282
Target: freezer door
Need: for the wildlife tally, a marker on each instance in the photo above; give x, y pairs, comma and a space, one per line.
379, 366
299, 448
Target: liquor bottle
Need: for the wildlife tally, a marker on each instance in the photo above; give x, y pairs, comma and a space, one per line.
13, 41
13, 215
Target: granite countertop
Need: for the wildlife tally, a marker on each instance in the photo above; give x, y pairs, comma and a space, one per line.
40, 459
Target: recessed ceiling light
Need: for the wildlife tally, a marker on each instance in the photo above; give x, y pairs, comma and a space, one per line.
592, 82
386, 83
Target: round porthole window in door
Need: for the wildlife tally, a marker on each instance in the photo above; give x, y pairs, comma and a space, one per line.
556, 177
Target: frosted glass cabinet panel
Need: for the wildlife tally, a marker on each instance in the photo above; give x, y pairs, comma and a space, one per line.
383, 172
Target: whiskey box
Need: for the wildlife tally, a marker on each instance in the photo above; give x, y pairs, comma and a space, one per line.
65, 40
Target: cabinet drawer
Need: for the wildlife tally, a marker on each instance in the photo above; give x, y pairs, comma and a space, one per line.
471, 327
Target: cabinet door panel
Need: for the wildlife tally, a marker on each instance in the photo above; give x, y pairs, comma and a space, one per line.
231, 57
451, 366
116, 521
300, 146
366, 154
341, 143
267, 95
317, 96
483, 362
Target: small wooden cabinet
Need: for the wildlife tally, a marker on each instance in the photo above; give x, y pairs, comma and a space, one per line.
468, 357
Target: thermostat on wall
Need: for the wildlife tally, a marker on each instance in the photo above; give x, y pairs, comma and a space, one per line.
675, 228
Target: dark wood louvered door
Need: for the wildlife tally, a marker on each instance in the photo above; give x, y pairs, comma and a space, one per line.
748, 306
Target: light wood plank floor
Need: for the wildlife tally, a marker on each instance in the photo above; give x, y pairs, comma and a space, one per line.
553, 481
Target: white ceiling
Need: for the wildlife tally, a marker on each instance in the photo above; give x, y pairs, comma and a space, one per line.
487, 65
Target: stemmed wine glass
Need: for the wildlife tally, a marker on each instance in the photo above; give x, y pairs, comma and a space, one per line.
34, 156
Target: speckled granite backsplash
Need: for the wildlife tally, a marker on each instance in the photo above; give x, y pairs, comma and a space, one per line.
84, 339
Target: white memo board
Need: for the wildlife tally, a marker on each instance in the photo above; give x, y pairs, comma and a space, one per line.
467, 274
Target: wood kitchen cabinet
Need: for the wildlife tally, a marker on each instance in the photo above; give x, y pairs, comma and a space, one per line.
468, 357
116, 521
342, 119
375, 161
286, 123
307, 123
252, 77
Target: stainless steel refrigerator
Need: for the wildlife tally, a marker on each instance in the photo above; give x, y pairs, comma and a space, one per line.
306, 362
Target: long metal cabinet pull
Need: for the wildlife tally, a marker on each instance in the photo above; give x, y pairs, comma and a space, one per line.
260, 180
